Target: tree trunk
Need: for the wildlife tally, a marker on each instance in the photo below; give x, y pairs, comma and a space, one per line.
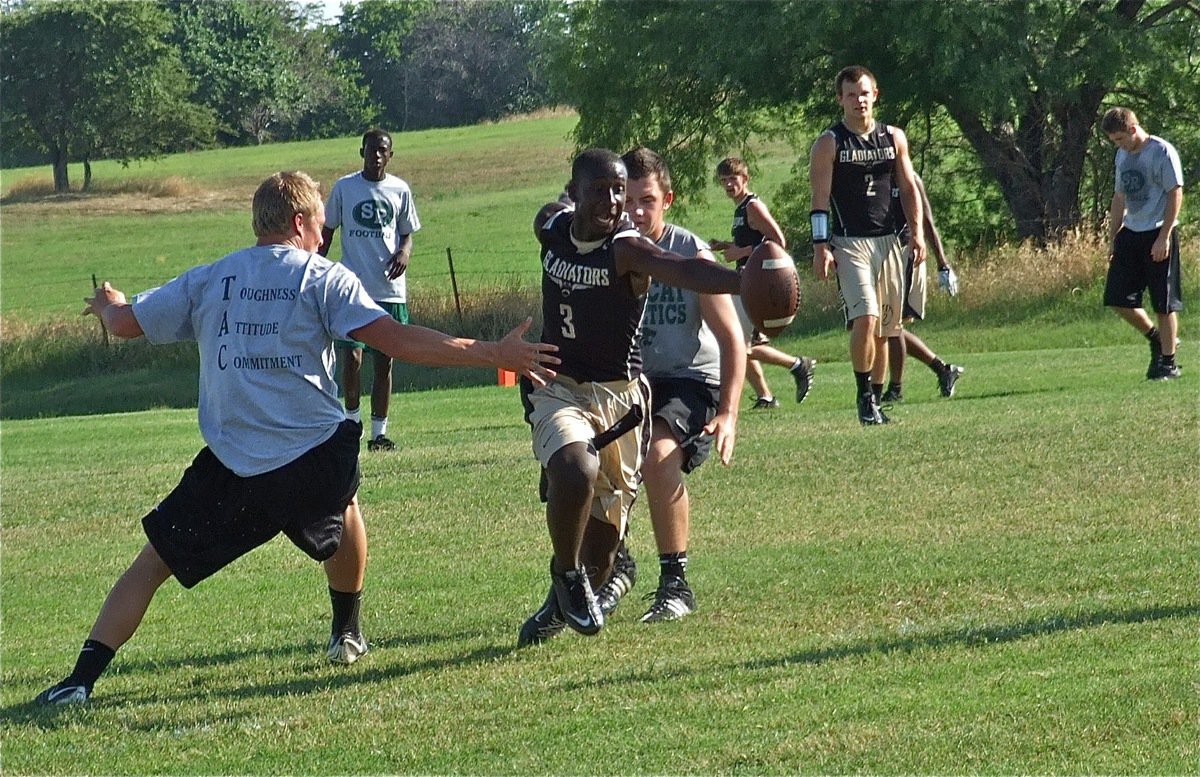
62, 181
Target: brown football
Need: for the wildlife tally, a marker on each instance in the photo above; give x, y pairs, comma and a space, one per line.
770, 288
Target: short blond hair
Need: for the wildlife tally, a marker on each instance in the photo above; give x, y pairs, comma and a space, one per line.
280, 198
1118, 120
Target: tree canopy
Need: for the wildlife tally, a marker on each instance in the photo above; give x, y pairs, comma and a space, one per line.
1021, 83
84, 81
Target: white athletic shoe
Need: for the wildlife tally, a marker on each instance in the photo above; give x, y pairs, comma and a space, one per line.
346, 648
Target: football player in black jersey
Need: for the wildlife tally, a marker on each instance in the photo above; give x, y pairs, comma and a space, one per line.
899, 346
752, 224
854, 165
596, 270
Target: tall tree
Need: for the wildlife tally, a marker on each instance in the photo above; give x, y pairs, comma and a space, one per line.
472, 61
234, 51
373, 37
1023, 81
86, 79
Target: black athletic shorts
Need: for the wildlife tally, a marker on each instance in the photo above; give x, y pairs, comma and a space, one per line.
214, 516
686, 405
1131, 271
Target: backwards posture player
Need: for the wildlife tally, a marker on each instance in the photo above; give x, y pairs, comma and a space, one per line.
596, 270
899, 347
280, 454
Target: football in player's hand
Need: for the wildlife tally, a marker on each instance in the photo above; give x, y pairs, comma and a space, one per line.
770, 288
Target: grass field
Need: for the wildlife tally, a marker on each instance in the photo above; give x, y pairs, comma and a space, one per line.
1000, 583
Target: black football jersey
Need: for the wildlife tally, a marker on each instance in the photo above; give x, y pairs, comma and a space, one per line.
590, 312
863, 170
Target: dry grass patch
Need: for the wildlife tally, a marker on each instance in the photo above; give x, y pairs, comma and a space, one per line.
116, 197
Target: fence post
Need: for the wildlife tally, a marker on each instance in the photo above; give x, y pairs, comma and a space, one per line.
454, 284
103, 328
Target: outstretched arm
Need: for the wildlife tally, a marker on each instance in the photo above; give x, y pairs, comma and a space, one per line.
639, 256
421, 345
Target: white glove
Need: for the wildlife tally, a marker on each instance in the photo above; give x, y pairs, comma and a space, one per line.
948, 281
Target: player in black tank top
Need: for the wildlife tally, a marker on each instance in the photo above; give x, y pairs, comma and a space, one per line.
589, 311
861, 194
852, 169
753, 223
596, 271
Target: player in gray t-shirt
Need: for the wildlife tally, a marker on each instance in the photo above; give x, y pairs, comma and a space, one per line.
694, 354
280, 456
1147, 200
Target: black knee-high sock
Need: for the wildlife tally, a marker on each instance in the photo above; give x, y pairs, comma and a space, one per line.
93, 660
1152, 335
673, 565
345, 611
863, 381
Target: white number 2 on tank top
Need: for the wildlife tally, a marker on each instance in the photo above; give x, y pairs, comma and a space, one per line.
568, 324
870, 185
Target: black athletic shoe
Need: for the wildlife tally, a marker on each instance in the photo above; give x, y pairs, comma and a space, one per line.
763, 403
381, 443
63, 693
892, 395
544, 624
624, 575
868, 410
576, 601
948, 377
1160, 371
803, 374
673, 600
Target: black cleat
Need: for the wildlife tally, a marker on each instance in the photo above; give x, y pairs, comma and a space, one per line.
381, 443
544, 624
673, 600
803, 374
1160, 371
63, 693
765, 403
893, 394
576, 601
624, 575
947, 378
868, 411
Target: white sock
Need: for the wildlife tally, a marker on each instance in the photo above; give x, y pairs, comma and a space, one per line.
378, 426
355, 415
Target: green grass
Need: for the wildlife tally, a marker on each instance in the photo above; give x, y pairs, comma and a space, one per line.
999, 583
477, 190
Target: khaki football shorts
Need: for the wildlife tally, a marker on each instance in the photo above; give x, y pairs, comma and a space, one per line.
566, 411
870, 273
